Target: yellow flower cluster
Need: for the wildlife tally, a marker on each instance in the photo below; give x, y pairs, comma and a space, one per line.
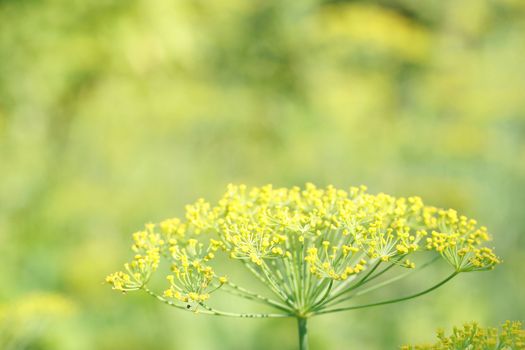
147, 245
472, 336
192, 279
459, 241
326, 262
340, 231
290, 235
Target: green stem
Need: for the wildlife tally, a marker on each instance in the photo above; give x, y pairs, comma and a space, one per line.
379, 285
362, 281
210, 311
254, 296
323, 298
303, 333
390, 301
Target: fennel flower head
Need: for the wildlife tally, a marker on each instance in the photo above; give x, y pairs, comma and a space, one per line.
511, 336
315, 249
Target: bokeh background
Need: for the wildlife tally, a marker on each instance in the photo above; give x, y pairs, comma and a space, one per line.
115, 113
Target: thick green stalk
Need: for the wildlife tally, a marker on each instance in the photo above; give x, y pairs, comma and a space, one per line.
303, 333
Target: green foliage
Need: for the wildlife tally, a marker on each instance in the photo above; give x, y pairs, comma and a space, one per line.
24, 321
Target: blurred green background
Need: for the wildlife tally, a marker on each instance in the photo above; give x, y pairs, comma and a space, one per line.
116, 113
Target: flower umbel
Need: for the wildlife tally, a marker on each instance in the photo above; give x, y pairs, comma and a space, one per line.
472, 336
314, 248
